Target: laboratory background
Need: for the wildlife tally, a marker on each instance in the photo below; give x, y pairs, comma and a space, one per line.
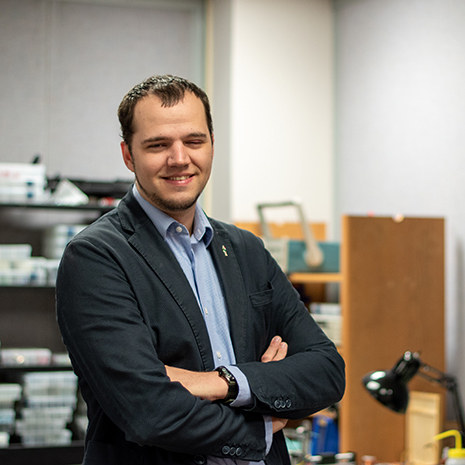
351, 109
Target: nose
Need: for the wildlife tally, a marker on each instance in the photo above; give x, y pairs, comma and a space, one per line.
178, 155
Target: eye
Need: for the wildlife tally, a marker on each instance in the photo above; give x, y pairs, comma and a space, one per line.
195, 142
156, 146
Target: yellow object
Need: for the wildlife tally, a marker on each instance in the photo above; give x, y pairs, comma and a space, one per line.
454, 453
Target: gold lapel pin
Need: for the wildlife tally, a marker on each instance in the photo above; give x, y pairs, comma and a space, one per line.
223, 248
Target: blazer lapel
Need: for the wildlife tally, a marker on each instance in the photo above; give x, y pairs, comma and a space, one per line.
150, 245
233, 290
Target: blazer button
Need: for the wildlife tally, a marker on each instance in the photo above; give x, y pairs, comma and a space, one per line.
288, 403
277, 403
238, 451
200, 460
232, 451
225, 450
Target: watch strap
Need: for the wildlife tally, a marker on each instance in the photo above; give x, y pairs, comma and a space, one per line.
233, 388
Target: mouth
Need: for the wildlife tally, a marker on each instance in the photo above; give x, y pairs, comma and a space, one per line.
178, 178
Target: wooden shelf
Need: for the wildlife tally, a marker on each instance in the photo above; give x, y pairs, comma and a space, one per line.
310, 278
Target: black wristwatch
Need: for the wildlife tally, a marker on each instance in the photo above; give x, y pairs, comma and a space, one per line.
233, 388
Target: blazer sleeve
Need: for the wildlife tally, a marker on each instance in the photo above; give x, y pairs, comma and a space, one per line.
114, 355
312, 376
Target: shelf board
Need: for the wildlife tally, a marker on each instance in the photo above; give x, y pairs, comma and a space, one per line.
17, 454
309, 278
27, 286
51, 206
22, 368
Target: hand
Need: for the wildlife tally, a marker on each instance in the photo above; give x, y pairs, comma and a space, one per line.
277, 350
204, 384
278, 424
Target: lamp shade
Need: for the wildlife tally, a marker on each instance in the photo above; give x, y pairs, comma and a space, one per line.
390, 387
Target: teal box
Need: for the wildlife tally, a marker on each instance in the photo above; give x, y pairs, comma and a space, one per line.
296, 258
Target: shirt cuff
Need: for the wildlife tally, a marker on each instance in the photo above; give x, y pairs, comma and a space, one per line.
244, 396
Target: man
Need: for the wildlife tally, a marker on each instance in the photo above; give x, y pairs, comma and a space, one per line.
154, 296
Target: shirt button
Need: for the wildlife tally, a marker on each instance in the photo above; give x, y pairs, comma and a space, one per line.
218, 354
178, 229
205, 310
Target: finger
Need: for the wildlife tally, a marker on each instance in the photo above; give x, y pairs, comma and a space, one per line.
272, 349
281, 352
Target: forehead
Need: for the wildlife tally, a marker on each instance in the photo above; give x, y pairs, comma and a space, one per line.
150, 114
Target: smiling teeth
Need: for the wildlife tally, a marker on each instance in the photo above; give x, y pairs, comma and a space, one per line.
179, 178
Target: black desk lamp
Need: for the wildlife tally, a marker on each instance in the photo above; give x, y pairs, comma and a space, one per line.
390, 387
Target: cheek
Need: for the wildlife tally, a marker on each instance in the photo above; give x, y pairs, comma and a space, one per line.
147, 166
206, 163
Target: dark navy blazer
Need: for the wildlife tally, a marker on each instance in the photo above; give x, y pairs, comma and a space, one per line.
125, 309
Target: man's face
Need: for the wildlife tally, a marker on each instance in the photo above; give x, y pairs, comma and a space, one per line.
172, 154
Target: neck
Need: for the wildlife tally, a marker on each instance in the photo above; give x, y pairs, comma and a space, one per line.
185, 216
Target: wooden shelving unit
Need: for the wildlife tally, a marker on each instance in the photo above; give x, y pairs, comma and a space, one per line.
392, 299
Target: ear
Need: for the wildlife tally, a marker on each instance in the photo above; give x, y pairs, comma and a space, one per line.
213, 145
127, 157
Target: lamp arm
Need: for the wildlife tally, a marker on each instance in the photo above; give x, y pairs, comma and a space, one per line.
459, 408
450, 383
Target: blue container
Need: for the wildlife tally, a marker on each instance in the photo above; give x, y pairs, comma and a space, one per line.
296, 258
325, 436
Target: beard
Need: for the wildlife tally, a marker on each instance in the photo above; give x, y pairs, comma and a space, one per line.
168, 205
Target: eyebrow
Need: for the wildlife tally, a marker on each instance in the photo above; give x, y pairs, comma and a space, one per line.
198, 134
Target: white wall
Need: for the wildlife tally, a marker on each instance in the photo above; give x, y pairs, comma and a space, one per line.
66, 65
400, 138
217, 198
281, 106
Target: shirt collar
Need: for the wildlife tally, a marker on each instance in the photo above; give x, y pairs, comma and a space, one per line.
202, 228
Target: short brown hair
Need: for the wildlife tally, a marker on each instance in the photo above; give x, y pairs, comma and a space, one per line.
169, 89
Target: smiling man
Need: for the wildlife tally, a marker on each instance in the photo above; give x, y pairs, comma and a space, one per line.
190, 344
171, 154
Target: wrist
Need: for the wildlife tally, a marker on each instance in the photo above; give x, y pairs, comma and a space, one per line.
232, 386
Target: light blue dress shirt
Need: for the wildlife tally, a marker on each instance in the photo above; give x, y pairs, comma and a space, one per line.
196, 262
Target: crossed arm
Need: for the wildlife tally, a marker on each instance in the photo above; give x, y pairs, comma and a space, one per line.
208, 385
